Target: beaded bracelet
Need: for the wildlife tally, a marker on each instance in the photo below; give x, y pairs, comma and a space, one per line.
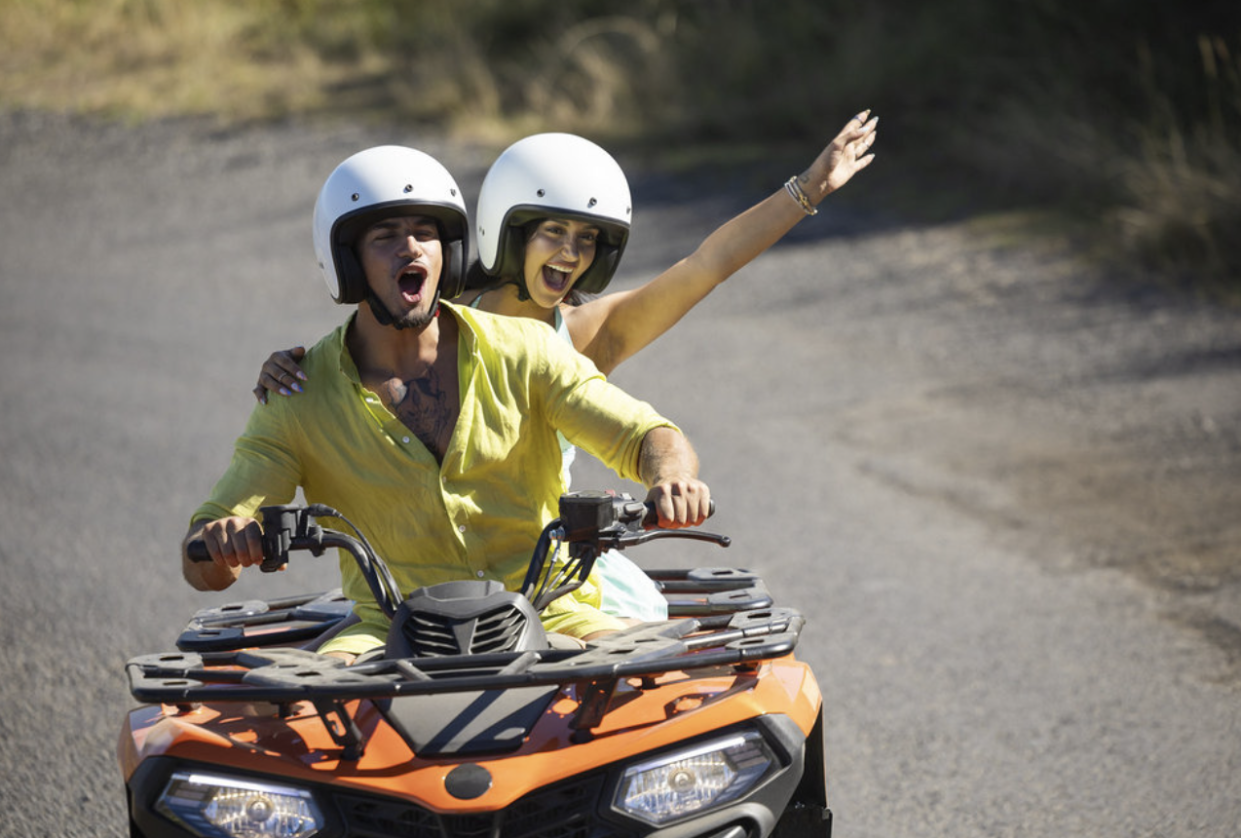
795, 192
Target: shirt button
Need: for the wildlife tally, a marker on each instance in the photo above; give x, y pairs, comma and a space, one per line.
405, 440
461, 528
480, 574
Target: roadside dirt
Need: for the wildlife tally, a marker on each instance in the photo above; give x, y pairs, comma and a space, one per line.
1094, 416
1090, 411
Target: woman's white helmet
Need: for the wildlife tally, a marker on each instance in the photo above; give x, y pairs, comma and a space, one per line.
552, 175
379, 183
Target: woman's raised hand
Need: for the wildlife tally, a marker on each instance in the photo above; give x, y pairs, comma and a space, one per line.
845, 156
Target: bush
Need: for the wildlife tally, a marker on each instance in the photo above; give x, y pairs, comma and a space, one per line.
1126, 111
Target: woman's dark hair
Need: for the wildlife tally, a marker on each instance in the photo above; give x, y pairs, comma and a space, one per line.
476, 279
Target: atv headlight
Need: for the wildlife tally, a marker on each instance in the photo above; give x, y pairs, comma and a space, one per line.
684, 782
218, 806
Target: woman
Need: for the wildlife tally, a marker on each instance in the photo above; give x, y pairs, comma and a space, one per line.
551, 225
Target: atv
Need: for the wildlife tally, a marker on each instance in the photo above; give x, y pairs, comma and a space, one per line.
472, 721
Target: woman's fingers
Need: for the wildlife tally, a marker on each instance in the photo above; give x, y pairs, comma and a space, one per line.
862, 144
280, 373
844, 156
276, 381
288, 362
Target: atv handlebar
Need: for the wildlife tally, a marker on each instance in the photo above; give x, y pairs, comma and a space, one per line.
590, 523
289, 528
196, 550
650, 515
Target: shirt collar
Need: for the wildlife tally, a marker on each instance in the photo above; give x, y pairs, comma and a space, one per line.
466, 326
348, 368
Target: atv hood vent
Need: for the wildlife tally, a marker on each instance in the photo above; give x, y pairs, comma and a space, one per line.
464, 618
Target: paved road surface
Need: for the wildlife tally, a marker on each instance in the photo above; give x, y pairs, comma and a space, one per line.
1003, 487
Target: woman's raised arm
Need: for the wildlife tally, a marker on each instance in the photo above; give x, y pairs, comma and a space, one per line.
615, 326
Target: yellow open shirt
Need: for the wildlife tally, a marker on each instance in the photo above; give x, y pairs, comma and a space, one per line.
476, 516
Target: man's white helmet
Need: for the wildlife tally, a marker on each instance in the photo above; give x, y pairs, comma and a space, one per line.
379, 183
552, 175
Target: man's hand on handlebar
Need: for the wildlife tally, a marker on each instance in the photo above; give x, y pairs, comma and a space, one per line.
236, 542
684, 502
669, 469
232, 543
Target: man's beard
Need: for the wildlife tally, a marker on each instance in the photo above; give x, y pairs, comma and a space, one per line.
417, 320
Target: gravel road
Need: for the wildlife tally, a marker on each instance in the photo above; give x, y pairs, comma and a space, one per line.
1004, 484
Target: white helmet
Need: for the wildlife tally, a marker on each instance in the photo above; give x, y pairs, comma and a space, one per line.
552, 175
379, 183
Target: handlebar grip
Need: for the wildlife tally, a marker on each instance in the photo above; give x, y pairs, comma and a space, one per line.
651, 518
196, 550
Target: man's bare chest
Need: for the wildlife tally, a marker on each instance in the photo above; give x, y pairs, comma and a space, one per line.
428, 405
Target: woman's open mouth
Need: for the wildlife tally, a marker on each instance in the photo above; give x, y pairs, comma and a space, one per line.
556, 279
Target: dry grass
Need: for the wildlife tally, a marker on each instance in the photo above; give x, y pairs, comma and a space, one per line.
254, 59
1053, 103
139, 59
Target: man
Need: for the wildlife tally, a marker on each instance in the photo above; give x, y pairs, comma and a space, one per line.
431, 427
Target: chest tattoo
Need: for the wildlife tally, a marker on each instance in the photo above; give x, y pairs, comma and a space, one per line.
424, 407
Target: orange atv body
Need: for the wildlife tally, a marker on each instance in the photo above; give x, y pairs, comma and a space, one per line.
703, 725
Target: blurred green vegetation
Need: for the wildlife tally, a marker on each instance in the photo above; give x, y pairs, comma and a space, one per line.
1123, 116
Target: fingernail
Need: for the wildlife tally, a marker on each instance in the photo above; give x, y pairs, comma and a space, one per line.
301, 375
297, 387
284, 391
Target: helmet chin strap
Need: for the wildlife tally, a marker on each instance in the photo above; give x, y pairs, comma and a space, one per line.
385, 318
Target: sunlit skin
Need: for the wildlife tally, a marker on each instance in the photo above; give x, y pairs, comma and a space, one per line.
414, 370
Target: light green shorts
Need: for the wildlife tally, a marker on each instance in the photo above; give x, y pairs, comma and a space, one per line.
626, 590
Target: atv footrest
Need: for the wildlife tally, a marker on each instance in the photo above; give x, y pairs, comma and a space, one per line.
706, 591
276, 622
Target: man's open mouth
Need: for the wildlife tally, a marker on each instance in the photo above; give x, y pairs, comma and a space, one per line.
411, 282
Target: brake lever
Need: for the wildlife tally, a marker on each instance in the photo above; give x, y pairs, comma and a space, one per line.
632, 539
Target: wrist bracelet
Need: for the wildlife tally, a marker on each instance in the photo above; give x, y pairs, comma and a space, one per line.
794, 189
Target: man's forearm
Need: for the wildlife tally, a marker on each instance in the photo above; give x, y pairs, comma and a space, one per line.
666, 455
669, 468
